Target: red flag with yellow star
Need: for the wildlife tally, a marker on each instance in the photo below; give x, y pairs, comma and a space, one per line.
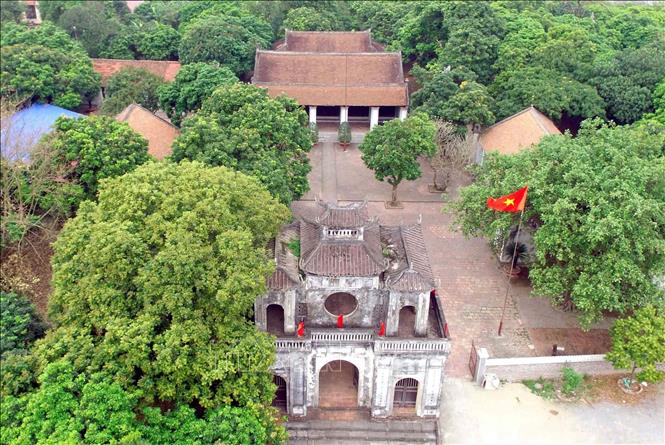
510, 203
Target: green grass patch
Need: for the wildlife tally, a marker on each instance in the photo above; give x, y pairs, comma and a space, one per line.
541, 387
294, 246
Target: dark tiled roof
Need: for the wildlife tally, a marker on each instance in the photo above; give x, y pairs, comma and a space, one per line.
286, 274
410, 268
348, 216
333, 257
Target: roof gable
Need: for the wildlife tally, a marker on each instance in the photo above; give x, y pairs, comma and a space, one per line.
516, 132
158, 132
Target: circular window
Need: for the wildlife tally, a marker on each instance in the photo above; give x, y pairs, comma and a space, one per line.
341, 303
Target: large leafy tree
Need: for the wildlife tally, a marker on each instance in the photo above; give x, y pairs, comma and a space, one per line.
19, 323
45, 63
12, 11
549, 91
241, 127
98, 147
158, 42
92, 23
132, 85
596, 205
155, 284
226, 39
627, 81
470, 105
73, 407
392, 150
306, 19
639, 341
193, 83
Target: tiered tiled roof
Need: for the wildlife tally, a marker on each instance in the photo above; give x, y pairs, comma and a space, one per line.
286, 274
330, 68
351, 215
410, 268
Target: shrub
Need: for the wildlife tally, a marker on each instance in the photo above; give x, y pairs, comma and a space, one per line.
19, 324
571, 381
344, 133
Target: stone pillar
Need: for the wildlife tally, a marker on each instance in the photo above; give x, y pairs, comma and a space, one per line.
343, 114
312, 114
431, 391
290, 311
298, 388
422, 314
481, 366
373, 117
392, 315
260, 313
402, 113
381, 403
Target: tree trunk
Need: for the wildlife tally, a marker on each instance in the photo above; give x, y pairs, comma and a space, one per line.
632, 373
394, 193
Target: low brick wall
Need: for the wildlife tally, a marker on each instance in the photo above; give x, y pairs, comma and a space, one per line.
521, 368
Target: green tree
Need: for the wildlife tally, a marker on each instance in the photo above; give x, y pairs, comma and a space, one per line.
549, 91
627, 81
99, 147
596, 204
470, 105
19, 323
639, 342
155, 285
44, 63
658, 116
193, 83
132, 85
12, 11
241, 127
90, 23
159, 42
228, 40
437, 87
306, 19
392, 149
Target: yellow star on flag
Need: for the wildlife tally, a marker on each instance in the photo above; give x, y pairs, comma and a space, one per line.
509, 202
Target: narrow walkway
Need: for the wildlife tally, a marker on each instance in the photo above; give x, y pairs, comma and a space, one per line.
328, 172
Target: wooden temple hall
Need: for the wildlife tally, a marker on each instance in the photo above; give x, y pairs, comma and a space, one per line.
336, 76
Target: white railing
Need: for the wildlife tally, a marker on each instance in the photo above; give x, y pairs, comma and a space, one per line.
423, 345
293, 344
342, 337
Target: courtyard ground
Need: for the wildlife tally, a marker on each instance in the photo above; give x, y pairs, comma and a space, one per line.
469, 280
513, 415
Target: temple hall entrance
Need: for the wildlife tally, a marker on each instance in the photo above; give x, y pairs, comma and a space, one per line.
338, 385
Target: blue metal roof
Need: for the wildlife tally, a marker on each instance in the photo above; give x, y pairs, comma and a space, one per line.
25, 127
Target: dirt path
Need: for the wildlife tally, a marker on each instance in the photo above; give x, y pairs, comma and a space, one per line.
513, 415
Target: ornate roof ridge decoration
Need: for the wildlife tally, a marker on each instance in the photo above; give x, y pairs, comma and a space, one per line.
352, 215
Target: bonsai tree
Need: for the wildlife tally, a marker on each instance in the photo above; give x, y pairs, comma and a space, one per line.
314, 132
639, 341
344, 133
392, 149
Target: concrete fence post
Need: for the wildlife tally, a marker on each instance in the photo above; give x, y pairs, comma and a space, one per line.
481, 366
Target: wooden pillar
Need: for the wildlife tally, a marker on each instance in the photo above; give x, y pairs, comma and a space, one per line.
373, 117
343, 114
312, 114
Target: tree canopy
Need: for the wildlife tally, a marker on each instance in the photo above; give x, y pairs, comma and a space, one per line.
192, 85
98, 147
392, 150
595, 203
44, 63
131, 85
226, 39
117, 306
241, 127
306, 19
19, 323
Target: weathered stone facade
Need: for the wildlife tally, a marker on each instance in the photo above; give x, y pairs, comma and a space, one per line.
375, 271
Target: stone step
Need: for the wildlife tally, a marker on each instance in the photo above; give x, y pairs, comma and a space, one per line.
392, 432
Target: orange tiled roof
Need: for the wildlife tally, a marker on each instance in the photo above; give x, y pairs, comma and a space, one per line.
159, 133
328, 42
165, 69
518, 131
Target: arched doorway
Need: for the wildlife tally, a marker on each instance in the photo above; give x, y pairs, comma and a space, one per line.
280, 393
338, 385
406, 394
275, 319
340, 303
407, 322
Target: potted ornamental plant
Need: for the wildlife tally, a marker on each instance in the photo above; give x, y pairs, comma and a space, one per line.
520, 252
344, 134
314, 132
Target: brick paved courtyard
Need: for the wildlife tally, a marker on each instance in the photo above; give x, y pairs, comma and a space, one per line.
470, 282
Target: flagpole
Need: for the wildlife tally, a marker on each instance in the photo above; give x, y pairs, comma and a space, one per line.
512, 262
